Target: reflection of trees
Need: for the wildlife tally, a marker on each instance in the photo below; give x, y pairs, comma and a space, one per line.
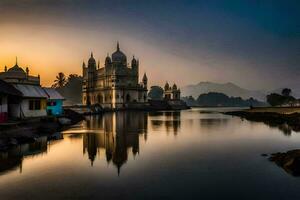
284, 128
170, 120
12, 159
116, 133
213, 123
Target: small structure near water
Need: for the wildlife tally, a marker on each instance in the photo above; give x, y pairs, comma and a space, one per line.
54, 102
28, 98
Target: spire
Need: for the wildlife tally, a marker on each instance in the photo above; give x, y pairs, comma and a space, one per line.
16, 60
5, 68
83, 64
98, 64
92, 56
145, 77
118, 46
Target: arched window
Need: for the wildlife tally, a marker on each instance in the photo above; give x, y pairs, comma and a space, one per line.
98, 98
127, 98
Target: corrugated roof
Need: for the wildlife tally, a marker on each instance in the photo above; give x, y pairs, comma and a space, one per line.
7, 88
31, 90
53, 94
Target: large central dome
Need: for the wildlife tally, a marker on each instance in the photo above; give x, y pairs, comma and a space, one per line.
17, 69
119, 56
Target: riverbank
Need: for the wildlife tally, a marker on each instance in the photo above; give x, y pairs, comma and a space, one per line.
272, 116
289, 161
286, 119
151, 105
29, 130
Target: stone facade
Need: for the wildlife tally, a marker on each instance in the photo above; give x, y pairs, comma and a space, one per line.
171, 93
115, 85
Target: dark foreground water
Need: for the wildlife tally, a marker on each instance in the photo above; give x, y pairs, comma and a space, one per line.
167, 155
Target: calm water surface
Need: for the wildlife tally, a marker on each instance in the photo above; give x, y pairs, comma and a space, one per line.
134, 155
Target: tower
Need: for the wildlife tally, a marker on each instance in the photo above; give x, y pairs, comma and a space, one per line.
145, 80
91, 71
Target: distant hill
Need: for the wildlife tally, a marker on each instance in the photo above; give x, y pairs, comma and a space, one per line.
220, 99
229, 89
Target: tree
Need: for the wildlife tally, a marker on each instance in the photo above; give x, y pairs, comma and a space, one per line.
286, 92
277, 99
72, 88
190, 101
156, 93
60, 80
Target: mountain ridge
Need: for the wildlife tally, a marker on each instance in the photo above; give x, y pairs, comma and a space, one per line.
228, 88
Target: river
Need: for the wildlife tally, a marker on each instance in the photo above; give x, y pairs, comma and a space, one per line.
197, 153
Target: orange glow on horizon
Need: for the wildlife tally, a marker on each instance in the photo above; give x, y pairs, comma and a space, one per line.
48, 50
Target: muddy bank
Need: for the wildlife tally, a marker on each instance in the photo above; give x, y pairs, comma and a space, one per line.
28, 131
271, 119
289, 161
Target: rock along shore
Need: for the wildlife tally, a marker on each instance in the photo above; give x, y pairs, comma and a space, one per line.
270, 118
289, 161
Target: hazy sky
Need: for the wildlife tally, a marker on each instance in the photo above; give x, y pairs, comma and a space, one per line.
255, 44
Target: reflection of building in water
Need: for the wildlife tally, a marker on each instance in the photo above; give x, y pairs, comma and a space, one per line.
170, 120
13, 158
213, 123
116, 133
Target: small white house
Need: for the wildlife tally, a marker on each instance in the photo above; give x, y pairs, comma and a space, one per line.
33, 103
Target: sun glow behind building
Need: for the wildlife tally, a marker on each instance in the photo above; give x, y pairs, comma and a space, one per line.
184, 42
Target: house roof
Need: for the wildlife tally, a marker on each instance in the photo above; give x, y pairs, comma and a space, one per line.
34, 91
53, 94
7, 88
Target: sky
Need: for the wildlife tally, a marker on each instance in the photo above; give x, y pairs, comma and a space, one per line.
253, 43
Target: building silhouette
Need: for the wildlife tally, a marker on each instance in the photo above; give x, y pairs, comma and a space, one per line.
116, 84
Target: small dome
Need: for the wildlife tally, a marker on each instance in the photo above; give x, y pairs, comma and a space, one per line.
174, 87
16, 68
107, 59
133, 61
167, 86
92, 60
145, 79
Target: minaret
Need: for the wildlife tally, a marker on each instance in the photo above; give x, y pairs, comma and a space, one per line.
27, 71
145, 80
83, 69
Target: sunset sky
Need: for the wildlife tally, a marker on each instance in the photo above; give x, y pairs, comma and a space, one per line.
255, 44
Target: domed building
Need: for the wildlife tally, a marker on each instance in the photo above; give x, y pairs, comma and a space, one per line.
33, 101
171, 93
115, 85
16, 75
